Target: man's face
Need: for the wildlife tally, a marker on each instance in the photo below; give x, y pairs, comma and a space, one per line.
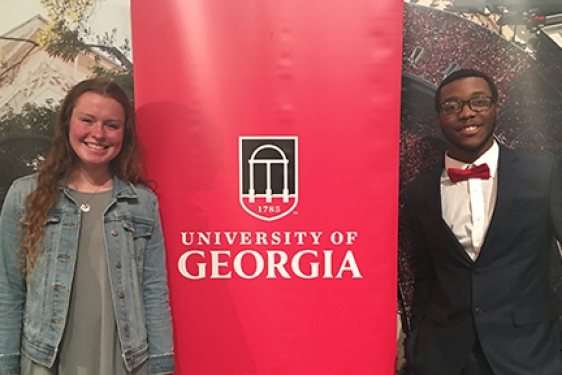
468, 132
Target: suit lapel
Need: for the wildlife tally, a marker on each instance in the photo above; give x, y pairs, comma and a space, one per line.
432, 189
508, 184
433, 194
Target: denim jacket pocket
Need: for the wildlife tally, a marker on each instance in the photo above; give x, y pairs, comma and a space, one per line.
39, 294
141, 230
52, 230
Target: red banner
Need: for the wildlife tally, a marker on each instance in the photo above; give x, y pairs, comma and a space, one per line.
272, 130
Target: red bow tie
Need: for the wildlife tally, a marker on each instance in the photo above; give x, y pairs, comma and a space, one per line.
478, 171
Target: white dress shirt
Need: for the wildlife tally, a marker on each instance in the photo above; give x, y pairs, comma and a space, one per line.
468, 205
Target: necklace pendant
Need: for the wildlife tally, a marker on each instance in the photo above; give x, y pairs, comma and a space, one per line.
85, 207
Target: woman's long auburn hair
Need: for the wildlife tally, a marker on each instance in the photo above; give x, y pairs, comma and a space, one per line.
62, 160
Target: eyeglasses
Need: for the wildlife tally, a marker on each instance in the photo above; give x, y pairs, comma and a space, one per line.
477, 104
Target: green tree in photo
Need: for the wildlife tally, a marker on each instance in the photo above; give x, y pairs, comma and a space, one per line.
25, 135
68, 34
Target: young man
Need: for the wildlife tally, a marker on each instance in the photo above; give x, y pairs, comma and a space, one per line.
484, 224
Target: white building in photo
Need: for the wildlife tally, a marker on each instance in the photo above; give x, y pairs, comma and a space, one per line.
31, 75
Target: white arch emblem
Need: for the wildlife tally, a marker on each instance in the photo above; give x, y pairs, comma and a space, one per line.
275, 172
268, 162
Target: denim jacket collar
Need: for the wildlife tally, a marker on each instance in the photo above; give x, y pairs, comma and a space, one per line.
121, 189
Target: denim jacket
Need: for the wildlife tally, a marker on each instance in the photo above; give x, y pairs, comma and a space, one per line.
33, 313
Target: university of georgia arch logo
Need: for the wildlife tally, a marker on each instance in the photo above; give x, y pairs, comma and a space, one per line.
268, 176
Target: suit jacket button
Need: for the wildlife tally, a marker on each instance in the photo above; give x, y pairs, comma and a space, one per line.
477, 271
478, 311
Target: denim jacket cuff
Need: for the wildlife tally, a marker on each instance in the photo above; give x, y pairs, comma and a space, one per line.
161, 364
10, 364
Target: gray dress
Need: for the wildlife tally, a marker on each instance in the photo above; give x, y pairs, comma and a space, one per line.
90, 344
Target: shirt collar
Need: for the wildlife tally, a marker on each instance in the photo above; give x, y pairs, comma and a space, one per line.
490, 157
121, 189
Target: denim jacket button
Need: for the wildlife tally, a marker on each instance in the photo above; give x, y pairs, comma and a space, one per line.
114, 232
126, 327
121, 295
118, 264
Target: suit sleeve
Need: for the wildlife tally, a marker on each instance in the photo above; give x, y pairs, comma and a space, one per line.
556, 199
412, 241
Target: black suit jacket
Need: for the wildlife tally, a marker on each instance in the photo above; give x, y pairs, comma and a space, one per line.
503, 299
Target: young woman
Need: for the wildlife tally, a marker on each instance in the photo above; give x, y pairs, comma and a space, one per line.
83, 286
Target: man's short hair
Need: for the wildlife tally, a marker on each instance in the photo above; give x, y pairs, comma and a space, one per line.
465, 73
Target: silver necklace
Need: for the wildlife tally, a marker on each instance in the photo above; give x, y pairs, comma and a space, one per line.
85, 207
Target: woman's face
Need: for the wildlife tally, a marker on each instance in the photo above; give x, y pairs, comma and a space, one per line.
96, 130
